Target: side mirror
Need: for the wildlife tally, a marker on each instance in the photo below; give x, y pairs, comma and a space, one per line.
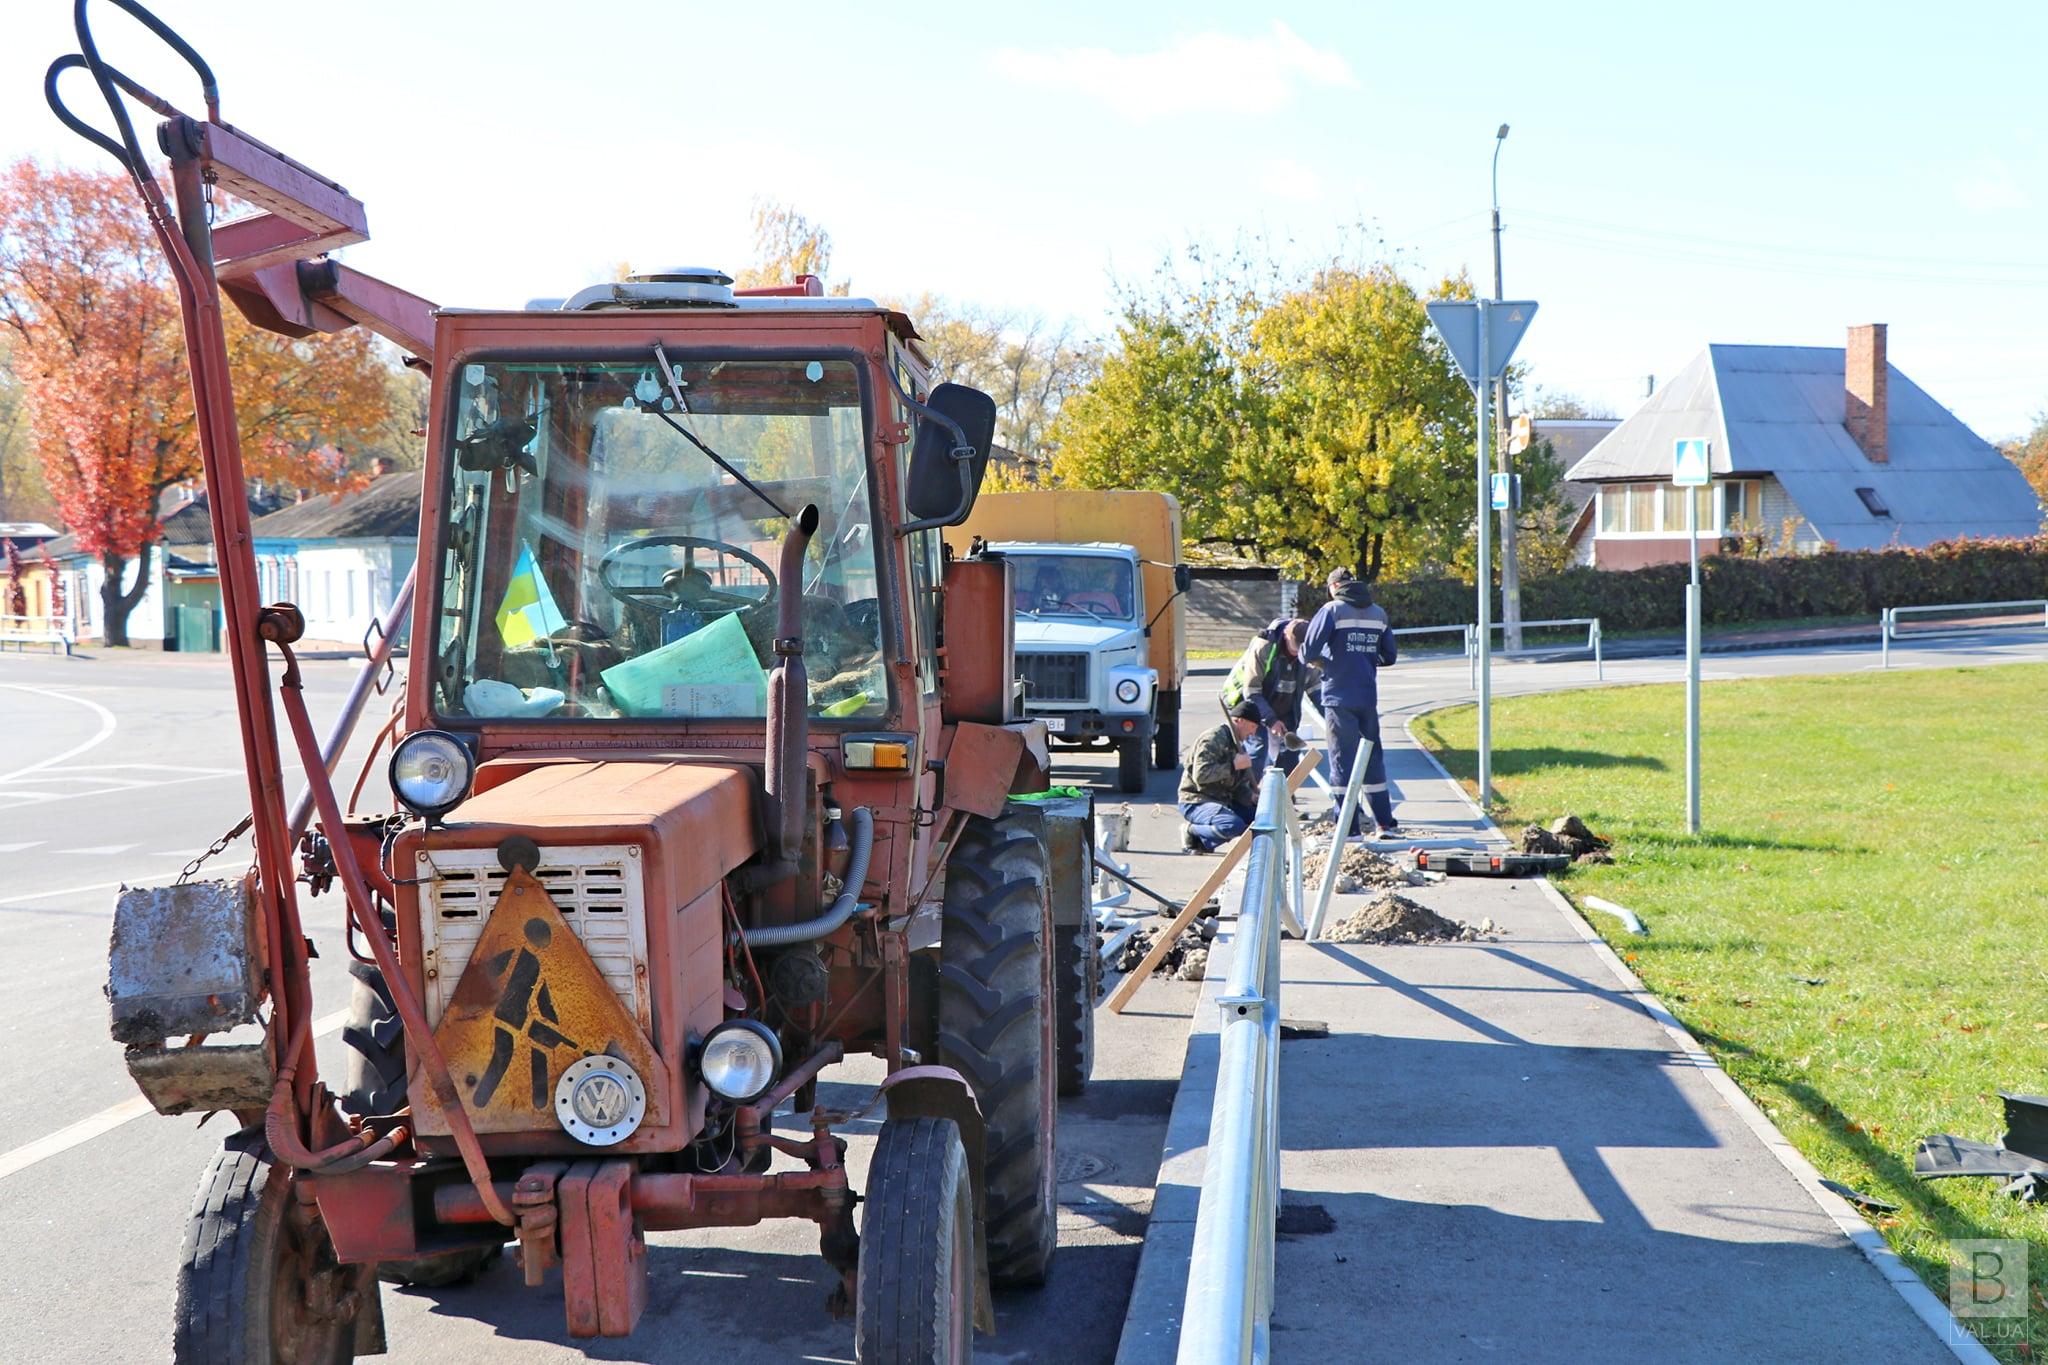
949, 457
1183, 578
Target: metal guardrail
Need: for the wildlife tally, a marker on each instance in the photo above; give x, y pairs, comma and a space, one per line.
1227, 1313
1888, 621
22, 631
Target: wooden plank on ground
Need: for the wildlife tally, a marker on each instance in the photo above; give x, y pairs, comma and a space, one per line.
1128, 987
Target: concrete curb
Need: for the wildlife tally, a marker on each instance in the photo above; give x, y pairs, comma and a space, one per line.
1151, 1334
1868, 1240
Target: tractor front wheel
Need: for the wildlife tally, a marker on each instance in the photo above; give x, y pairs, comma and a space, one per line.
914, 1301
259, 1281
995, 1027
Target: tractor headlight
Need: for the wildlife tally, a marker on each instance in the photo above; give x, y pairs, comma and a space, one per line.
740, 1059
1127, 691
431, 772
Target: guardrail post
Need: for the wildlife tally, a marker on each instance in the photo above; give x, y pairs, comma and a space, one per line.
1340, 835
1599, 664
1884, 635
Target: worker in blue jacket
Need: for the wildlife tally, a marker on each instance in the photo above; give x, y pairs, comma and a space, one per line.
1351, 640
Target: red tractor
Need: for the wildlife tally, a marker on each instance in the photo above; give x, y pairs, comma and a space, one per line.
709, 777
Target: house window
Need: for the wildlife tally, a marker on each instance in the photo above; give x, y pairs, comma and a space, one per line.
1658, 509
1872, 501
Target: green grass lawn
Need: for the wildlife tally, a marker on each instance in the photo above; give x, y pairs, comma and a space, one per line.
1860, 934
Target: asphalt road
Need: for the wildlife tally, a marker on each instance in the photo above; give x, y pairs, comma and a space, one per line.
119, 768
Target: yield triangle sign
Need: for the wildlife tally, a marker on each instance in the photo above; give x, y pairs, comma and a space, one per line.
1457, 321
1689, 463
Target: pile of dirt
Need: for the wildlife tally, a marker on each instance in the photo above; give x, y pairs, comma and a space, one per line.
1360, 869
1567, 834
1186, 960
1392, 918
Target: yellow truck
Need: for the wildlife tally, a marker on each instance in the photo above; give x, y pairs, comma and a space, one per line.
1101, 644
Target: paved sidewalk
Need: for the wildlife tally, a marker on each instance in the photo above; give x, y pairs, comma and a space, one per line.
1505, 1150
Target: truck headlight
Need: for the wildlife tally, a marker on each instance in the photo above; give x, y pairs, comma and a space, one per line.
1127, 691
431, 772
740, 1059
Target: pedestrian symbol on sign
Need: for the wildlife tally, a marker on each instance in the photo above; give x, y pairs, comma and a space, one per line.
1689, 463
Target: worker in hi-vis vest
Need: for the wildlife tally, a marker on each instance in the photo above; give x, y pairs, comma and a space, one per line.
1351, 640
1271, 675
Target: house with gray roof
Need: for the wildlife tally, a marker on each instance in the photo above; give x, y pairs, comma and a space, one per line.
341, 557
1823, 446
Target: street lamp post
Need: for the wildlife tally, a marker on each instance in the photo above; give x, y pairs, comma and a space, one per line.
1510, 558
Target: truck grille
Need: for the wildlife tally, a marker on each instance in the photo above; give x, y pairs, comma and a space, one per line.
1054, 677
596, 887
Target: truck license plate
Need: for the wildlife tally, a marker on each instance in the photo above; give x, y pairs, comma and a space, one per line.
1056, 724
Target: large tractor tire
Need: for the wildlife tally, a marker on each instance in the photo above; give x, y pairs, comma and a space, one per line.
1130, 766
995, 1026
914, 1301
1166, 735
1077, 977
255, 1285
373, 1082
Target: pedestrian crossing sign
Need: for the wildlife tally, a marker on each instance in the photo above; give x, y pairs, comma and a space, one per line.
1689, 463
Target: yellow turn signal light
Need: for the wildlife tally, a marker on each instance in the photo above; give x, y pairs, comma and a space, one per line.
885, 754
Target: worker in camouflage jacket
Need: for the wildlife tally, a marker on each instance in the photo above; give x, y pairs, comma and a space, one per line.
1218, 796
1272, 676
1351, 640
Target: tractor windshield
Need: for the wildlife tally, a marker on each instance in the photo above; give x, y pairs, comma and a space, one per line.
612, 533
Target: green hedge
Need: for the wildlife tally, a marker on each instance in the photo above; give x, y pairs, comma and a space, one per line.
1735, 589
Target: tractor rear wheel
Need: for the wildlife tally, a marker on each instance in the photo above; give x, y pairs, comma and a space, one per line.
1077, 977
995, 1027
373, 1082
258, 1283
914, 1297
1130, 765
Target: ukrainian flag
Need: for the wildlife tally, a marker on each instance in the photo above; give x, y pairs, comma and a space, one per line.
528, 612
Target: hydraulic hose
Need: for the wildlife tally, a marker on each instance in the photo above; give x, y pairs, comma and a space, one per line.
861, 844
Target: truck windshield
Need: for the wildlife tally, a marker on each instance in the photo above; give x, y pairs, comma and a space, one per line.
601, 563
1094, 586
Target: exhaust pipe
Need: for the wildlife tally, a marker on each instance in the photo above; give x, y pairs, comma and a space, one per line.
789, 713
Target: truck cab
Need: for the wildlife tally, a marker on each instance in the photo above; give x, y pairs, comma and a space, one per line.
1081, 647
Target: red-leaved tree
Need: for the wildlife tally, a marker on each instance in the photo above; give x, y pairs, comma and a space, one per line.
100, 351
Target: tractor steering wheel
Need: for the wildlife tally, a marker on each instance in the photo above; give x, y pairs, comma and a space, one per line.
667, 596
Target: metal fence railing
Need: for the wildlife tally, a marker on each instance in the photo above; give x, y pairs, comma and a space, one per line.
1888, 621
1591, 624
22, 631
1228, 1310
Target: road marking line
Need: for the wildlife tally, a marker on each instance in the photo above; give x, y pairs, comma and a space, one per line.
64, 891
97, 849
110, 1118
106, 729
16, 848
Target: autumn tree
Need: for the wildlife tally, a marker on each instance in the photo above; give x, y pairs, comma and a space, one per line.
1030, 365
786, 245
96, 342
1311, 421
2030, 453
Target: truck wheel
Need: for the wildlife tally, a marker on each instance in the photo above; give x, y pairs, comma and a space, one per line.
914, 1294
255, 1285
1130, 766
1166, 737
996, 1028
373, 1082
1078, 976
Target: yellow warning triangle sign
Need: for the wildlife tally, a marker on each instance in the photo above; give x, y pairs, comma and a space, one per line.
529, 1003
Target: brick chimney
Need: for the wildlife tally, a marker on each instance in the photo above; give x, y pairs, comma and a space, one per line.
1863, 378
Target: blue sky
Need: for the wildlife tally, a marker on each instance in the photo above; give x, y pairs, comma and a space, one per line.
1675, 174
